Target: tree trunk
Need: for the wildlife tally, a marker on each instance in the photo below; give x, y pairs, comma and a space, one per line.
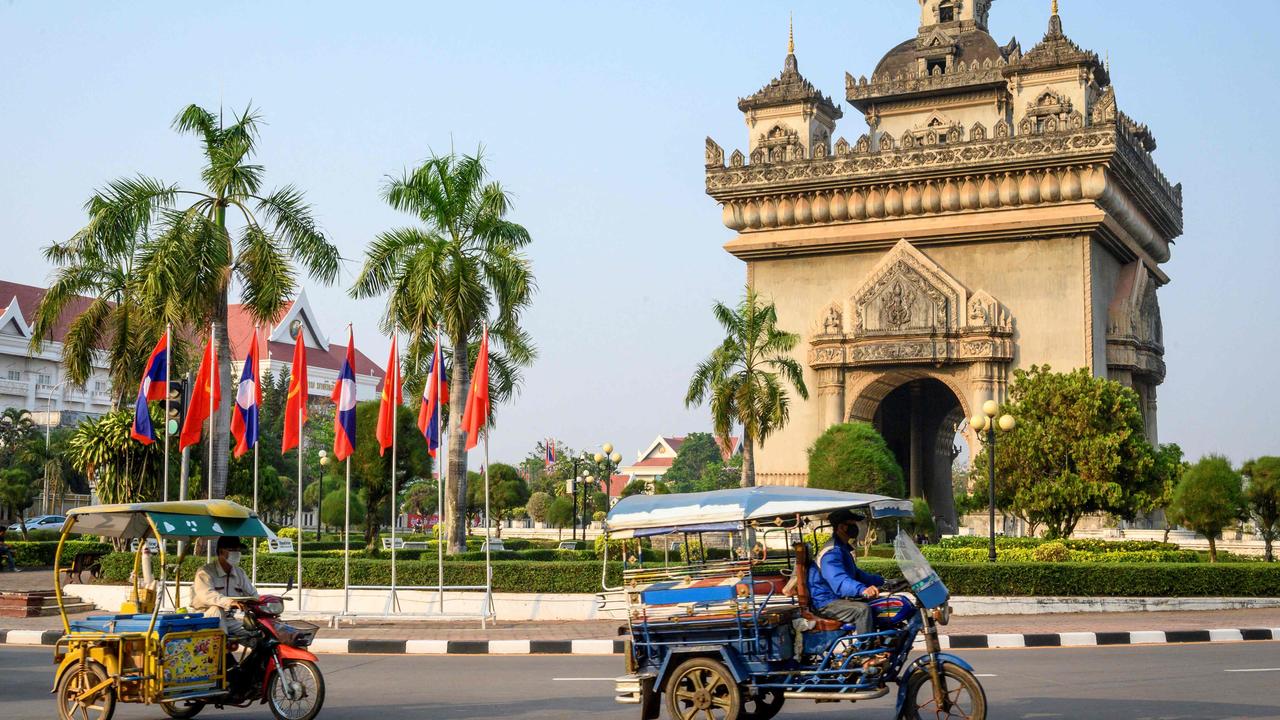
748, 461
222, 415
1266, 544
1213, 549
456, 501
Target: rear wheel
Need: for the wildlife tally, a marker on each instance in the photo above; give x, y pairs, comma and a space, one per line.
702, 689
101, 705
182, 710
296, 691
763, 706
963, 699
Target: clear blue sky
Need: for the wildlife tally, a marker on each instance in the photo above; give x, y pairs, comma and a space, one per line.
593, 115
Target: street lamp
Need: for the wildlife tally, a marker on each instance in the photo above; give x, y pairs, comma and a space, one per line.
324, 462
607, 461
46, 502
986, 422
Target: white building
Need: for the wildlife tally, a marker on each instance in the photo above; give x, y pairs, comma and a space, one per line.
654, 461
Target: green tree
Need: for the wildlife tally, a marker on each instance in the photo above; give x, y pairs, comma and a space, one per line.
17, 492
191, 252
124, 469
333, 509
507, 491
853, 457
1262, 495
538, 506
696, 452
371, 468
560, 513
461, 270
421, 497
1079, 447
743, 378
634, 487
1209, 498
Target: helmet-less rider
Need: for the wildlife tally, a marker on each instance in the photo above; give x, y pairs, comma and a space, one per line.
218, 582
838, 589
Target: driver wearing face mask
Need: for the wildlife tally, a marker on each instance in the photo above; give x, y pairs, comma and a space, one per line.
218, 582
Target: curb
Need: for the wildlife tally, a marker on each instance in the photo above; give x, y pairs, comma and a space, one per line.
376, 646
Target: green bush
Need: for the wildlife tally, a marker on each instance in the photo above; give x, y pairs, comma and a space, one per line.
1034, 554
853, 457
39, 553
1051, 552
1088, 544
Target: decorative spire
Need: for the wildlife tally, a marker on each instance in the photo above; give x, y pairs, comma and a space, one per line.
791, 33
1055, 8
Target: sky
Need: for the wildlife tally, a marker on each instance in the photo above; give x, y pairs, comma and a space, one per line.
593, 116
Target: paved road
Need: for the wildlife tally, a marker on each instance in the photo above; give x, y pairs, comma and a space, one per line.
1181, 682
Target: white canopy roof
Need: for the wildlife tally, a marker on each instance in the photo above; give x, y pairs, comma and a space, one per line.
648, 512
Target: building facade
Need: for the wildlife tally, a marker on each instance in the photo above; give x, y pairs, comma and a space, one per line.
998, 210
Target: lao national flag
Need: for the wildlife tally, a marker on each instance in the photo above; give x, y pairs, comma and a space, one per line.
391, 400
244, 421
551, 452
434, 394
344, 397
154, 386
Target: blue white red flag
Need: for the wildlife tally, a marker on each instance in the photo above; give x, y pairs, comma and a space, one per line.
551, 452
244, 419
344, 397
153, 386
434, 394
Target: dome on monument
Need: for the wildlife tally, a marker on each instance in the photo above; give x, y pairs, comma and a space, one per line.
969, 46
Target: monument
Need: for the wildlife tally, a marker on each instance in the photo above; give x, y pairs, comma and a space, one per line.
998, 211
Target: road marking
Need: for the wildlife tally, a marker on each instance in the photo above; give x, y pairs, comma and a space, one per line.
1254, 670
609, 679
985, 675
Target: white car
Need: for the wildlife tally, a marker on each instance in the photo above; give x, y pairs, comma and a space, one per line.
40, 522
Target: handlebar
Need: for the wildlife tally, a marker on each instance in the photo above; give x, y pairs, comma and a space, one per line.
894, 585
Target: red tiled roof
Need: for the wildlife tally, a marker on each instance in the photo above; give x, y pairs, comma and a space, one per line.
29, 297
616, 483
655, 462
240, 331
734, 444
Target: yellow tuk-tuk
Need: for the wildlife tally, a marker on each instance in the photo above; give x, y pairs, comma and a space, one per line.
145, 656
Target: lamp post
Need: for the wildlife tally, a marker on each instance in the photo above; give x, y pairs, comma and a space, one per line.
607, 461
46, 502
324, 462
986, 422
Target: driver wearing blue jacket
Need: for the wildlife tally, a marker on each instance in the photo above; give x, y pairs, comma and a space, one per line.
838, 590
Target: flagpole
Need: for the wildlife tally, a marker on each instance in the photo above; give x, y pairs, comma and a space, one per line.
298, 518
257, 380
346, 512
488, 567
394, 382
213, 368
168, 351
438, 361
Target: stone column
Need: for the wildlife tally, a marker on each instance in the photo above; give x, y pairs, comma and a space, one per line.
917, 438
831, 394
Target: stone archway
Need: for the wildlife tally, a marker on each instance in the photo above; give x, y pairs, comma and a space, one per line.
918, 413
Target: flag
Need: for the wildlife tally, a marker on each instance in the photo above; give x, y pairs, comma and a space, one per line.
391, 399
476, 412
434, 394
153, 386
551, 452
244, 419
207, 391
344, 397
295, 408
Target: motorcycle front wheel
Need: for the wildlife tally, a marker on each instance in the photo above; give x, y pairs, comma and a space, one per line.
964, 698
296, 691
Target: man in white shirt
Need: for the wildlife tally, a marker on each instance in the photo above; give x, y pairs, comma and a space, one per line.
218, 582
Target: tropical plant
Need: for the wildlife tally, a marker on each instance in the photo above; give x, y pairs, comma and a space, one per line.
18, 447
538, 506
123, 469
634, 487
17, 492
421, 497
507, 491
1262, 495
188, 255
853, 457
1079, 447
1209, 498
461, 270
744, 377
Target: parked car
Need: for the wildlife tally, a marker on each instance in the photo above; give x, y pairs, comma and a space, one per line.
40, 522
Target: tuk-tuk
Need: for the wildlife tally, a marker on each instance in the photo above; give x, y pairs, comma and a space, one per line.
143, 655
729, 633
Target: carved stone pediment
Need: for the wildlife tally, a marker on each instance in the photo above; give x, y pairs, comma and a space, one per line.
1135, 332
907, 293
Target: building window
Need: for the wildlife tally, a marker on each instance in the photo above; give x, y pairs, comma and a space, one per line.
946, 13
15, 375
99, 386
939, 65
45, 379
942, 139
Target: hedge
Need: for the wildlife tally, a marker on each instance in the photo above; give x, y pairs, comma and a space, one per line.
38, 553
1000, 579
1086, 544
937, 554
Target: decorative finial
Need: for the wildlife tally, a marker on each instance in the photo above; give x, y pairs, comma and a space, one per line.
791, 34
1055, 7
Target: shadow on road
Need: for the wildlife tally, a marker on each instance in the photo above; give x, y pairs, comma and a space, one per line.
1095, 709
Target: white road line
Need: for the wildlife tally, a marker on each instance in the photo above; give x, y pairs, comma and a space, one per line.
584, 679
1254, 670
985, 675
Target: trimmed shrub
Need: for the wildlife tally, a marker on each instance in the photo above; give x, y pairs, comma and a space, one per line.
1050, 552
1089, 544
38, 553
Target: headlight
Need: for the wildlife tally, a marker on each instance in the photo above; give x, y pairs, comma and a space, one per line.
942, 615
273, 607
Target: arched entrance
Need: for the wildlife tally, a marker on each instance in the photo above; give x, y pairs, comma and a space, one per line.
918, 415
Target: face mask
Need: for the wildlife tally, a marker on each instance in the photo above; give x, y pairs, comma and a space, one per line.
233, 558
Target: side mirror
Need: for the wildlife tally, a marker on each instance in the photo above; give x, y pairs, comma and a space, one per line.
288, 586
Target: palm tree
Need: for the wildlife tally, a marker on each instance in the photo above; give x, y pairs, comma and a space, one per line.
98, 261
191, 254
742, 379
460, 270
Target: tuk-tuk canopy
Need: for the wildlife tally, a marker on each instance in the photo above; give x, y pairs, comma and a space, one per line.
187, 519
641, 515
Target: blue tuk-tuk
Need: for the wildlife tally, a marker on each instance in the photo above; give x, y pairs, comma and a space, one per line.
729, 634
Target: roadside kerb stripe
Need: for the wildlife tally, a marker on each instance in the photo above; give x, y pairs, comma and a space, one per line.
357, 646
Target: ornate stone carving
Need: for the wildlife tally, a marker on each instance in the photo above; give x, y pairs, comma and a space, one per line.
715, 154
736, 159
842, 148
906, 292
833, 320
